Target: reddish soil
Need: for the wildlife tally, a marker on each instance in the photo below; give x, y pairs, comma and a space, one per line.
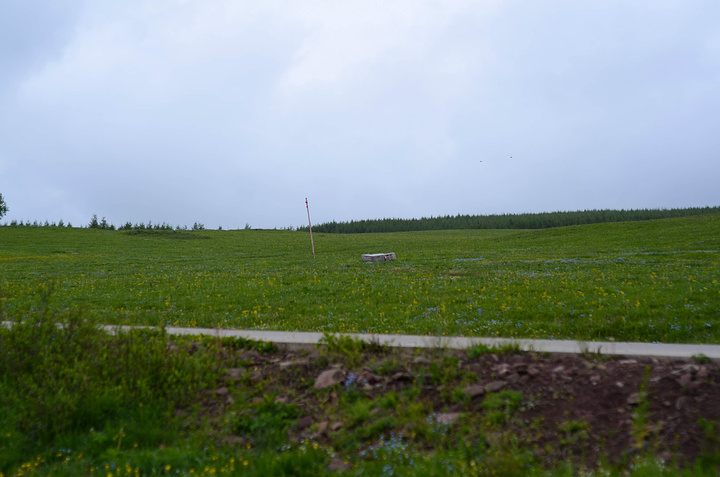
622, 406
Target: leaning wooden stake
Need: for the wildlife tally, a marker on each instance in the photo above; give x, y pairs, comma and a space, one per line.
310, 225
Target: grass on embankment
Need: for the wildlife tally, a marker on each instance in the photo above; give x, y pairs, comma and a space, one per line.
640, 281
79, 401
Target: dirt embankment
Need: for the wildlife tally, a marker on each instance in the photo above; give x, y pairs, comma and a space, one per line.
583, 409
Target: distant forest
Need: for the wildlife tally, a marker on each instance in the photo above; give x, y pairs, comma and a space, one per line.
505, 221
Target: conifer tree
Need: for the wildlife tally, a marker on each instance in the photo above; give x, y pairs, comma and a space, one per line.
3, 207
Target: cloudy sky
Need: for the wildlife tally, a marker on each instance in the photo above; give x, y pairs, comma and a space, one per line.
233, 112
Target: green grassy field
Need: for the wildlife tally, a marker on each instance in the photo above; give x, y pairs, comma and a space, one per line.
637, 281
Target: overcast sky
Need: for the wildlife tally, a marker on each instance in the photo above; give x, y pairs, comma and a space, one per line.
233, 112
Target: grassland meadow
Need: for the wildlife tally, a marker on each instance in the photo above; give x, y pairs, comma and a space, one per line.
653, 281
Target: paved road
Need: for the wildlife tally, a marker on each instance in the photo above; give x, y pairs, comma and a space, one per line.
306, 340
299, 340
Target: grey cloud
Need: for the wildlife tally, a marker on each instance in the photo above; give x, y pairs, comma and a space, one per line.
234, 112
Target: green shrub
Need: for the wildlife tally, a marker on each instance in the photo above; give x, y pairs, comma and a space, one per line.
501, 405
62, 375
267, 425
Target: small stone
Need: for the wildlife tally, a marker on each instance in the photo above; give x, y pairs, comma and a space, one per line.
685, 379
336, 426
235, 374
502, 369
521, 368
304, 422
401, 376
683, 402
223, 391
474, 391
703, 373
620, 384
533, 370
690, 368
322, 427
627, 361
369, 377
559, 369
281, 400
594, 379
635, 398
494, 386
377, 257
291, 364
447, 417
329, 378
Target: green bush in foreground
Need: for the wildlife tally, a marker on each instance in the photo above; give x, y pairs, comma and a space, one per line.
67, 383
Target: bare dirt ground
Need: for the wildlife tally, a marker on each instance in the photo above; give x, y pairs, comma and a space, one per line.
582, 408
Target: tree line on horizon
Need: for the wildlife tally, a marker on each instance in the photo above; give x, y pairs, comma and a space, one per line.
103, 224
542, 220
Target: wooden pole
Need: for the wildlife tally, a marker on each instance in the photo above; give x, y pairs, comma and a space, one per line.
310, 225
